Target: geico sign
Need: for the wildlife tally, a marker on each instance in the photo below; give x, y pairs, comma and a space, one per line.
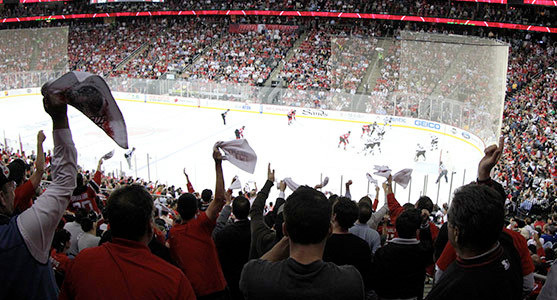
427, 124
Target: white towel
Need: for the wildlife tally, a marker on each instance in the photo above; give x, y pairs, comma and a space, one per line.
382, 171
109, 155
291, 184
325, 182
403, 177
239, 153
371, 179
236, 184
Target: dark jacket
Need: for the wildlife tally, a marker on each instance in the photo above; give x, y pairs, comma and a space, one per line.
233, 243
262, 237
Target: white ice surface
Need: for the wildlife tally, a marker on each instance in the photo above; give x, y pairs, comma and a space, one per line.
175, 137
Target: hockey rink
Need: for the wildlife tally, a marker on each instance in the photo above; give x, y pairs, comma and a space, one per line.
170, 138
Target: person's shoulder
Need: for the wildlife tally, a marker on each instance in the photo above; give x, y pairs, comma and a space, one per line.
165, 267
260, 264
349, 273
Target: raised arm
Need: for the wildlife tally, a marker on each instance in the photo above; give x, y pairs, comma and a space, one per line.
348, 184
262, 237
376, 201
256, 211
37, 224
24, 199
395, 209
189, 185
216, 205
222, 219
39, 163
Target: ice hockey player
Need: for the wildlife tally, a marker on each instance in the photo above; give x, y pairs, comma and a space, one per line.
442, 172
128, 155
381, 132
240, 133
224, 116
344, 139
420, 151
434, 142
366, 129
388, 121
370, 145
291, 115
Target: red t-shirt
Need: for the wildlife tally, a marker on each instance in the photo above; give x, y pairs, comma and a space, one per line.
193, 249
124, 269
88, 199
519, 242
60, 261
24, 196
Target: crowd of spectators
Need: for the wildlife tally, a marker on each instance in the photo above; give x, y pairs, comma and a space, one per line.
167, 243
21, 50
174, 47
521, 14
99, 48
243, 57
192, 227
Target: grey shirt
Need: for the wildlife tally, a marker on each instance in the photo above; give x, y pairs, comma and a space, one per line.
75, 230
289, 279
371, 236
87, 240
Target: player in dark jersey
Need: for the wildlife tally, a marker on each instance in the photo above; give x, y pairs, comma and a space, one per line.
381, 132
224, 116
370, 145
344, 139
434, 142
420, 151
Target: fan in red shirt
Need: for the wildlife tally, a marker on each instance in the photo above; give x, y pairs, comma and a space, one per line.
191, 244
125, 268
58, 258
85, 194
26, 189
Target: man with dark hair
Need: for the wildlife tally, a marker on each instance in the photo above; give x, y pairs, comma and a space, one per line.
85, 193
344, 248
191, 245
25, 239
26, 189
125, 268
293, 268
399, 267
233, 241
206, 198
485, 269
518, 245
75, 230
58, 257
424, 204
363, 230
88, 238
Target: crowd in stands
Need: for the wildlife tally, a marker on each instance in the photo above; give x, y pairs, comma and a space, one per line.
90, 222
22, 51
521, 14
99, 48
173, 48
243, 57
219, 244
